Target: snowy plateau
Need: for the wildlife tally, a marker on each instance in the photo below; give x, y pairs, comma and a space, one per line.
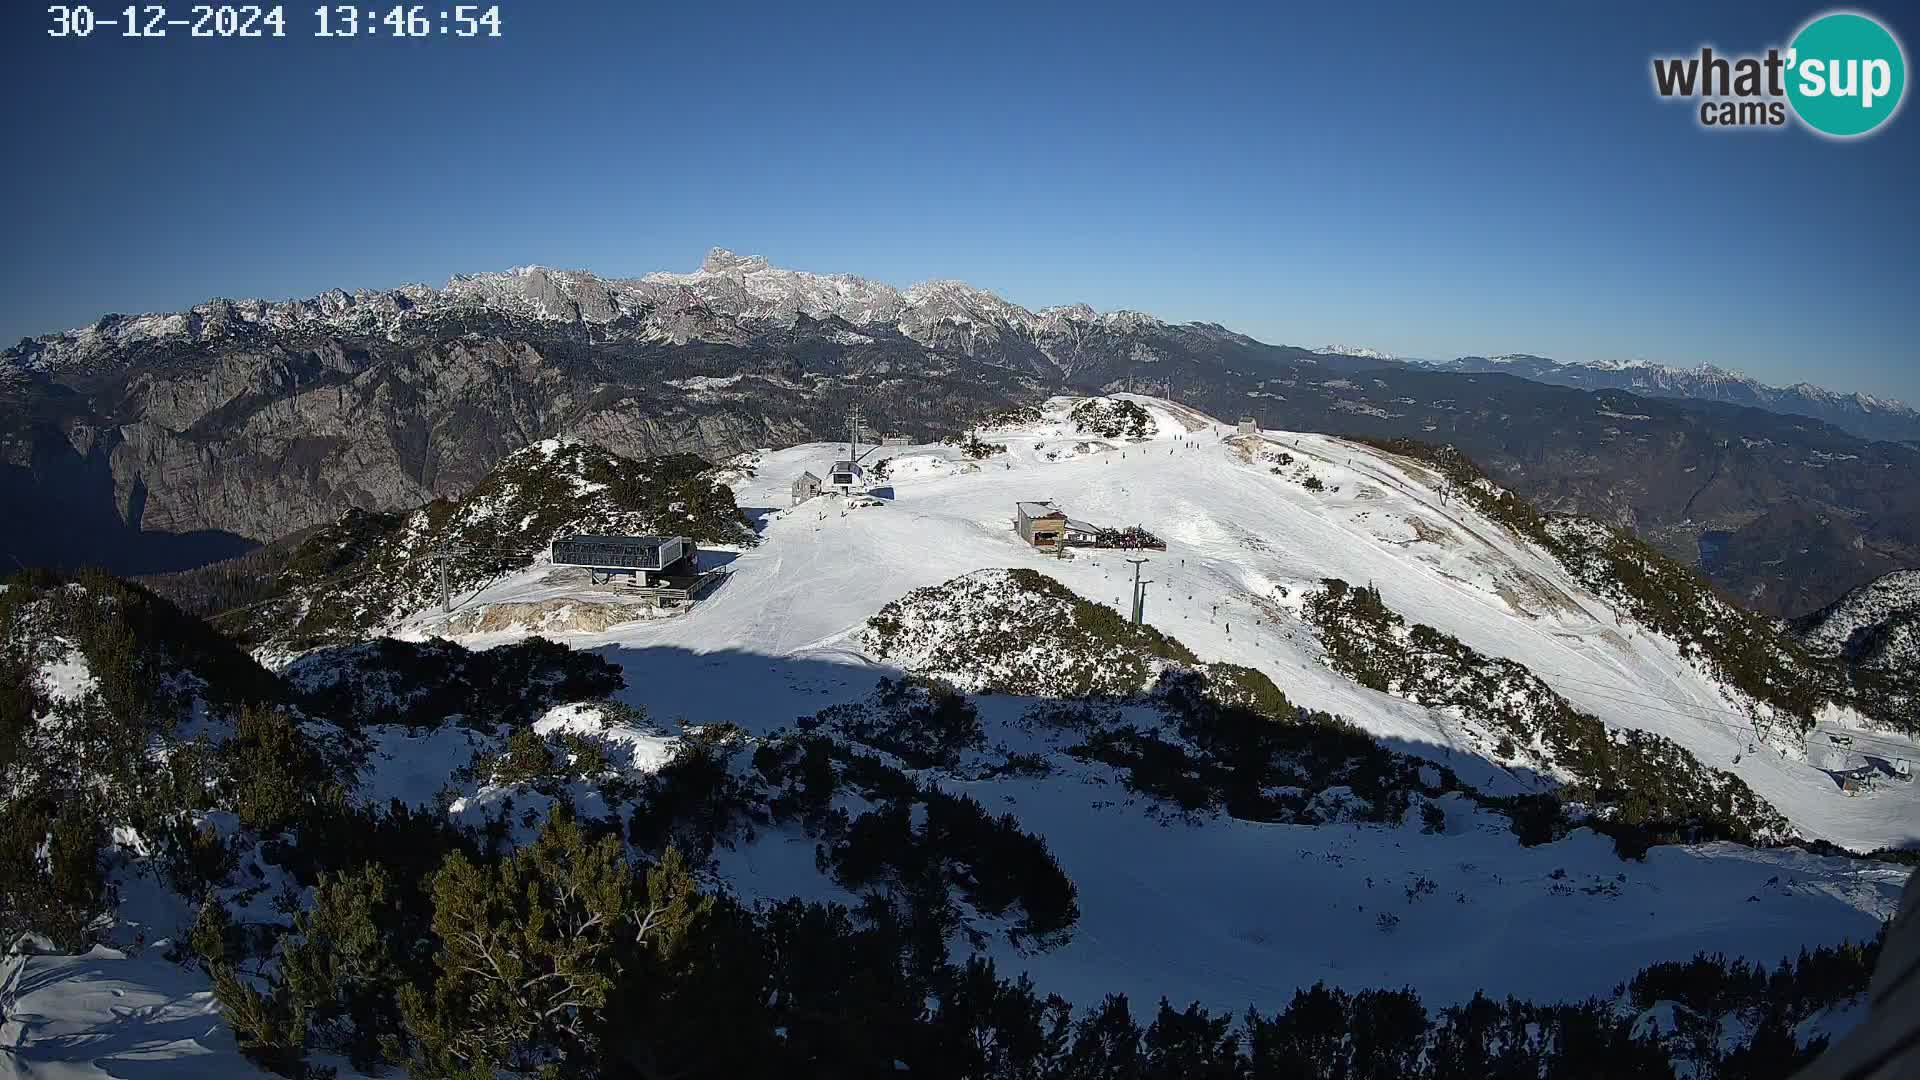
1193, 907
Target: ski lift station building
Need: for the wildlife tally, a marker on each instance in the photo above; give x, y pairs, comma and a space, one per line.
844, 475
662, 556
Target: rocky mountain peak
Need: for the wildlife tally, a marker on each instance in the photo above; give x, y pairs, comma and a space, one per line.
721, 261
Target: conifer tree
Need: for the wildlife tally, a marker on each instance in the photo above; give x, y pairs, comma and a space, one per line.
525, 954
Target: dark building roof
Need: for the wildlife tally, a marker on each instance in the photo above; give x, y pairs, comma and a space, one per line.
623, 552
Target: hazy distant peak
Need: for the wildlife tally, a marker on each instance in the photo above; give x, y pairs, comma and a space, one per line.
1358, 351
1862, 414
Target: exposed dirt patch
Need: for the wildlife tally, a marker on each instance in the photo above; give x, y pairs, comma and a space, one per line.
559, 615
1529, 594
1246, 447
1428, 532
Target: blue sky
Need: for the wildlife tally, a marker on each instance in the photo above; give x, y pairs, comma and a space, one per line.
1427, 178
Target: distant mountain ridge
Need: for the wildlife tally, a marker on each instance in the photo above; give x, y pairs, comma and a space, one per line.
730, 291
153, 443
1865, 415
158, 442
711, 303
1359, 351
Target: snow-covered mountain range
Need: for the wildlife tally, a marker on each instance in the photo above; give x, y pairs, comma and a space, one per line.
1359, 351
731, 294
677, 307
664, 307
1861, 414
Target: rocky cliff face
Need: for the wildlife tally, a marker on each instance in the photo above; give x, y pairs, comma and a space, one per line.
219, 444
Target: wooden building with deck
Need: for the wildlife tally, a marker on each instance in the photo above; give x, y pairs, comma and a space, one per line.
1040, 524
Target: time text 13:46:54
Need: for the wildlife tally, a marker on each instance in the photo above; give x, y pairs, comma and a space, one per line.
403, 20
258, 21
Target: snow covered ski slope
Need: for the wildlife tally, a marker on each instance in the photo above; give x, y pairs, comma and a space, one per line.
1247, 538
1219, 910
1206, 907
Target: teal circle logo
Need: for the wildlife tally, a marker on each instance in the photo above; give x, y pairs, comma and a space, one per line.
1845, 74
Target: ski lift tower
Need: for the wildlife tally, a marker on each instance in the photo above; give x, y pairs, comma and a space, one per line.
1139, 590
444, 553
856, 426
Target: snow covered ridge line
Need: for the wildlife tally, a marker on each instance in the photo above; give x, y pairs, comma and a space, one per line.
1357, 351
1652, 375
1865, 415
740, 287
665, 307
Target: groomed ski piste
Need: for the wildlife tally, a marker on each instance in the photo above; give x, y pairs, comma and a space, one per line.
1243, 545
1224, 912
1229, 912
